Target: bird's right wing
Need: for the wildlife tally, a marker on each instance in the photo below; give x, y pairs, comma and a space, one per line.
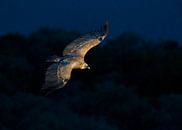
83, 44
57, 76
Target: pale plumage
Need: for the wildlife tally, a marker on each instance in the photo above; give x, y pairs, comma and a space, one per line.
59, 72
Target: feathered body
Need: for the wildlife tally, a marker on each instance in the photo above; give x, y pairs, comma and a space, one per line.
59, 72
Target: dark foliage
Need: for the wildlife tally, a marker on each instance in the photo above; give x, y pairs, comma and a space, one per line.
133, 84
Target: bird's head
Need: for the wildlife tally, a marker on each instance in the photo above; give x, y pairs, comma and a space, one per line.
85, 66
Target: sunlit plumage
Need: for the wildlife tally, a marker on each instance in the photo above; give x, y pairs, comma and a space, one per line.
59, 72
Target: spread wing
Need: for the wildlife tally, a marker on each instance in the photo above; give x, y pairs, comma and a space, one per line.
83, 44
57, 76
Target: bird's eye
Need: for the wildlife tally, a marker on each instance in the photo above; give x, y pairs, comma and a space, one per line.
100, 38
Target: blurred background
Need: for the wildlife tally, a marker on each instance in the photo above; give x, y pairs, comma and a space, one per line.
135, 77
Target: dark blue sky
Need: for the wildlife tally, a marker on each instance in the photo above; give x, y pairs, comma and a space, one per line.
153, 19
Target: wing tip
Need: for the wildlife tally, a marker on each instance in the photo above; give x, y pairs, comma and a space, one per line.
105, 27
47, 90
106, 23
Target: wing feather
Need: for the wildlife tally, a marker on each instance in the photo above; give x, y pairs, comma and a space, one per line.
83, 44
57, 75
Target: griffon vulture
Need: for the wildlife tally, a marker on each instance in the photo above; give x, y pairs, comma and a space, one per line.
59, 73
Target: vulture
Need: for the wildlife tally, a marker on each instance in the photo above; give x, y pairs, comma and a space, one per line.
59, 72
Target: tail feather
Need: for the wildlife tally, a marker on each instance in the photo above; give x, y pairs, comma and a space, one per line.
54, 59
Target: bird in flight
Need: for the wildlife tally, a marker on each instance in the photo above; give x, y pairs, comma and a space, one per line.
59, 72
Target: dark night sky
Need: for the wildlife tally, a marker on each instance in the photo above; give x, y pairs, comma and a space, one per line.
153, 19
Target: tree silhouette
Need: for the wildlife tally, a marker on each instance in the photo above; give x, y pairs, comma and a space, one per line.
133, 83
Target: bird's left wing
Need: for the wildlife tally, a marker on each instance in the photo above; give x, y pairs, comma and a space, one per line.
57, 76
83, 44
